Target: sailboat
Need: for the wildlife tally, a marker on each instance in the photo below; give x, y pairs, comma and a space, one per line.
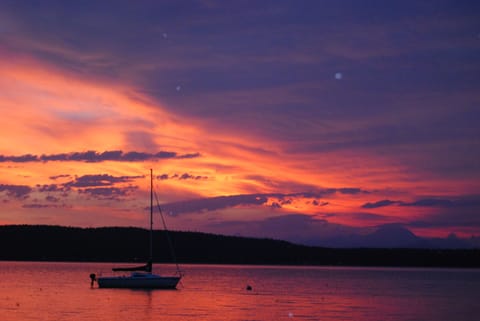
141, 276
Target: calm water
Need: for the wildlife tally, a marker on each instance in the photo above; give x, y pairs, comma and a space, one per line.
61, 291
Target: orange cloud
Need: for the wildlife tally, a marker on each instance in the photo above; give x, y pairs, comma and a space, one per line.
50, 111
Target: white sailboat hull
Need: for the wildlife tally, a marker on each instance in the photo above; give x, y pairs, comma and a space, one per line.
139, 281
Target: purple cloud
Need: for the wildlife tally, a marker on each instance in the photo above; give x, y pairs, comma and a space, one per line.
444, 202
464, 217
94, 157
59, 176
214, 203
36, 205
18, 159
317, 203
52, 188
466, 201
221, 202
378, 204
17, 191
40, 206
100, 180
109, 193
350, 191
184, 176
52, 199
191, 155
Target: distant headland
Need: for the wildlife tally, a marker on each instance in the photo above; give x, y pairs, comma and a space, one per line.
128, 244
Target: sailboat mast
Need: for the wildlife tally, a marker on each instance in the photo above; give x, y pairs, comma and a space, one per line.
151, 215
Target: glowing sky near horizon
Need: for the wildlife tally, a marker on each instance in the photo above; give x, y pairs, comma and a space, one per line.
299, 121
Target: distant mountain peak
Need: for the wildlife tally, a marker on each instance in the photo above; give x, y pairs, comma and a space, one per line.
391, 235
394, 230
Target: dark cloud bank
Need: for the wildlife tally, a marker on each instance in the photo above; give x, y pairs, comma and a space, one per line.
17, 191
429, 202
221, 202
100, 186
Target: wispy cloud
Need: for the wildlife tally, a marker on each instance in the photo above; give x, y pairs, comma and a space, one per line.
44, 206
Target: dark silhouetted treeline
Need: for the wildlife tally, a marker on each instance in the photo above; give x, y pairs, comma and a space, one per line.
118, 244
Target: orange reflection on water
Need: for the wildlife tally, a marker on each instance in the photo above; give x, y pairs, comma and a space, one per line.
61, 291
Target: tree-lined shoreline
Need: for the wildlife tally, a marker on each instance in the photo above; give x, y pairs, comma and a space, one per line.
129, 244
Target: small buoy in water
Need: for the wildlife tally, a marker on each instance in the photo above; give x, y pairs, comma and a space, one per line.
248, 288
93, 278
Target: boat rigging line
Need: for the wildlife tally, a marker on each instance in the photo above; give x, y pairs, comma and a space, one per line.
169, 240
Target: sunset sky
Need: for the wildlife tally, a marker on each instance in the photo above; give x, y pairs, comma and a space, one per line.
296, 120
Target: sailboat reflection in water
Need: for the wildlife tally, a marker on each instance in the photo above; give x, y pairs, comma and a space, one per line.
142, 276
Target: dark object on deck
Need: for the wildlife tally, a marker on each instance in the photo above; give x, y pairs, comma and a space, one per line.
93, 278
249, 287
146, 268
